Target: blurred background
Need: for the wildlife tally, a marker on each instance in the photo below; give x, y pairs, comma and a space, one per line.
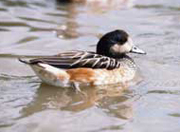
32, 28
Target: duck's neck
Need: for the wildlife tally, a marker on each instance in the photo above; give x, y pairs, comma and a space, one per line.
119, 56
127, 61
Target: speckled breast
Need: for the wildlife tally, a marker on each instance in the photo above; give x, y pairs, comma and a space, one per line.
124, 73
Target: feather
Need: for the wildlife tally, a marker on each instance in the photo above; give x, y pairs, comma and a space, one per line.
78, 59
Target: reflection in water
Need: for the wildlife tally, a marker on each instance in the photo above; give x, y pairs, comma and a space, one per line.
105, 5
69, 29
112, 99
97, 5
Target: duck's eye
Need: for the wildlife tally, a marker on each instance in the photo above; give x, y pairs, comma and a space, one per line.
135, 48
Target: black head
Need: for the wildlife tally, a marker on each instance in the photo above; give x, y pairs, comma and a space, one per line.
115, 44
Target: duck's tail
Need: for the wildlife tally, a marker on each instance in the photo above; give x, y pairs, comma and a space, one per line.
24, 61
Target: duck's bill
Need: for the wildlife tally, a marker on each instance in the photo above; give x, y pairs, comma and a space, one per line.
137, 50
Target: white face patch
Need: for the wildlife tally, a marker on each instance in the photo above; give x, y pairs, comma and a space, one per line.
125, 48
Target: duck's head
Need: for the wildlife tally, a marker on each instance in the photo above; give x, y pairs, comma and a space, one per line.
116, 44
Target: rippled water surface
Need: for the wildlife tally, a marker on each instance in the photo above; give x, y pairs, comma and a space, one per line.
30, 28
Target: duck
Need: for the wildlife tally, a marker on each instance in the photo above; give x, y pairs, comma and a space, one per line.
110, 64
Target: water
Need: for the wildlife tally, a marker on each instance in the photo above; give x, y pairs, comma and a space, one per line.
30, 28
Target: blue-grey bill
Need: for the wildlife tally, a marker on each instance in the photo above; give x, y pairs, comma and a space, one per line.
137, 50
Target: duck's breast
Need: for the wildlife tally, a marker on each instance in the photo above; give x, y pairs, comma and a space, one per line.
119, 75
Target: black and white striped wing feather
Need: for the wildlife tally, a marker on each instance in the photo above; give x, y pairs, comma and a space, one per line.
78, 59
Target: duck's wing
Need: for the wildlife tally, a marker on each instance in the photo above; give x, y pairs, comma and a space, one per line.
78, 59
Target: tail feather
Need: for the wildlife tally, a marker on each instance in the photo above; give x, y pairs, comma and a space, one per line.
24, 61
